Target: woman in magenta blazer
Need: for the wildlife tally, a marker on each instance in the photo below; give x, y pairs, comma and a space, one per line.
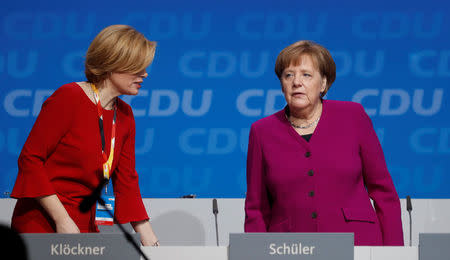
315, 165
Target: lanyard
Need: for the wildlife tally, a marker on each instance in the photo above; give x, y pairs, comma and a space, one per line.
107, 161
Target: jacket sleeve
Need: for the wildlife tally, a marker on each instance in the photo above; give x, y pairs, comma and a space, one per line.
257, 208
51, 125
379, 182
129, 205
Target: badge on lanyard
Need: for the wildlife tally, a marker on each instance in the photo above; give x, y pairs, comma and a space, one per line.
101, 215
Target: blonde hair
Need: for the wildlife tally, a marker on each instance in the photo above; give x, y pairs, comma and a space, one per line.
118, 48
292, 55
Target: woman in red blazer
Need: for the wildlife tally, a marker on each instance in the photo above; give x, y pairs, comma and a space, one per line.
315, 165
73, 139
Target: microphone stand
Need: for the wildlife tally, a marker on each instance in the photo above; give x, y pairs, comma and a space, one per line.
125, 233
410, 229
409, 209
215, 211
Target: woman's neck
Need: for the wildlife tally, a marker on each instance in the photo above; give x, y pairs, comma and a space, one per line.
305, 116
106, 94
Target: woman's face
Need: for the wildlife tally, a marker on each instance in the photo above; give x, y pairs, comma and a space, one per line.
302, 84
127, 83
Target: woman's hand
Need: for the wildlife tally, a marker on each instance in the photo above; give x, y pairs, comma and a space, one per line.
148, 237
53, 206
67, 225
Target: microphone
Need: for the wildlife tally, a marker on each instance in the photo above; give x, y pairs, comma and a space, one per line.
189, 196
215, 210
408, 204
88, 201
409, 209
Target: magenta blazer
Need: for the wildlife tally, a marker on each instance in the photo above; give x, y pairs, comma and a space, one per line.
323, 185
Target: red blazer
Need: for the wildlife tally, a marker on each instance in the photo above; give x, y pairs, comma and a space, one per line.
323, 185
63, 156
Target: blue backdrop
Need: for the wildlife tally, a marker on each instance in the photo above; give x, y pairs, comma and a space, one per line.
213, 76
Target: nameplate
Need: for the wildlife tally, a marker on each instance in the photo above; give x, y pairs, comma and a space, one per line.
80, 246
311, 246
434, 246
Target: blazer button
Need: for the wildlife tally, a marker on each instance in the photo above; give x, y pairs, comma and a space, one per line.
310, 172
311, 193
307, 154
314, 215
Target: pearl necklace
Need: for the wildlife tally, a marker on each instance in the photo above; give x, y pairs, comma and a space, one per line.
303, 127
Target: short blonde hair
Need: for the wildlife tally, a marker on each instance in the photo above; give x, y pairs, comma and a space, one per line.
118, 48
292, 55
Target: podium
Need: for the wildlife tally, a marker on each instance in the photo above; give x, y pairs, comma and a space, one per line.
115, 246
